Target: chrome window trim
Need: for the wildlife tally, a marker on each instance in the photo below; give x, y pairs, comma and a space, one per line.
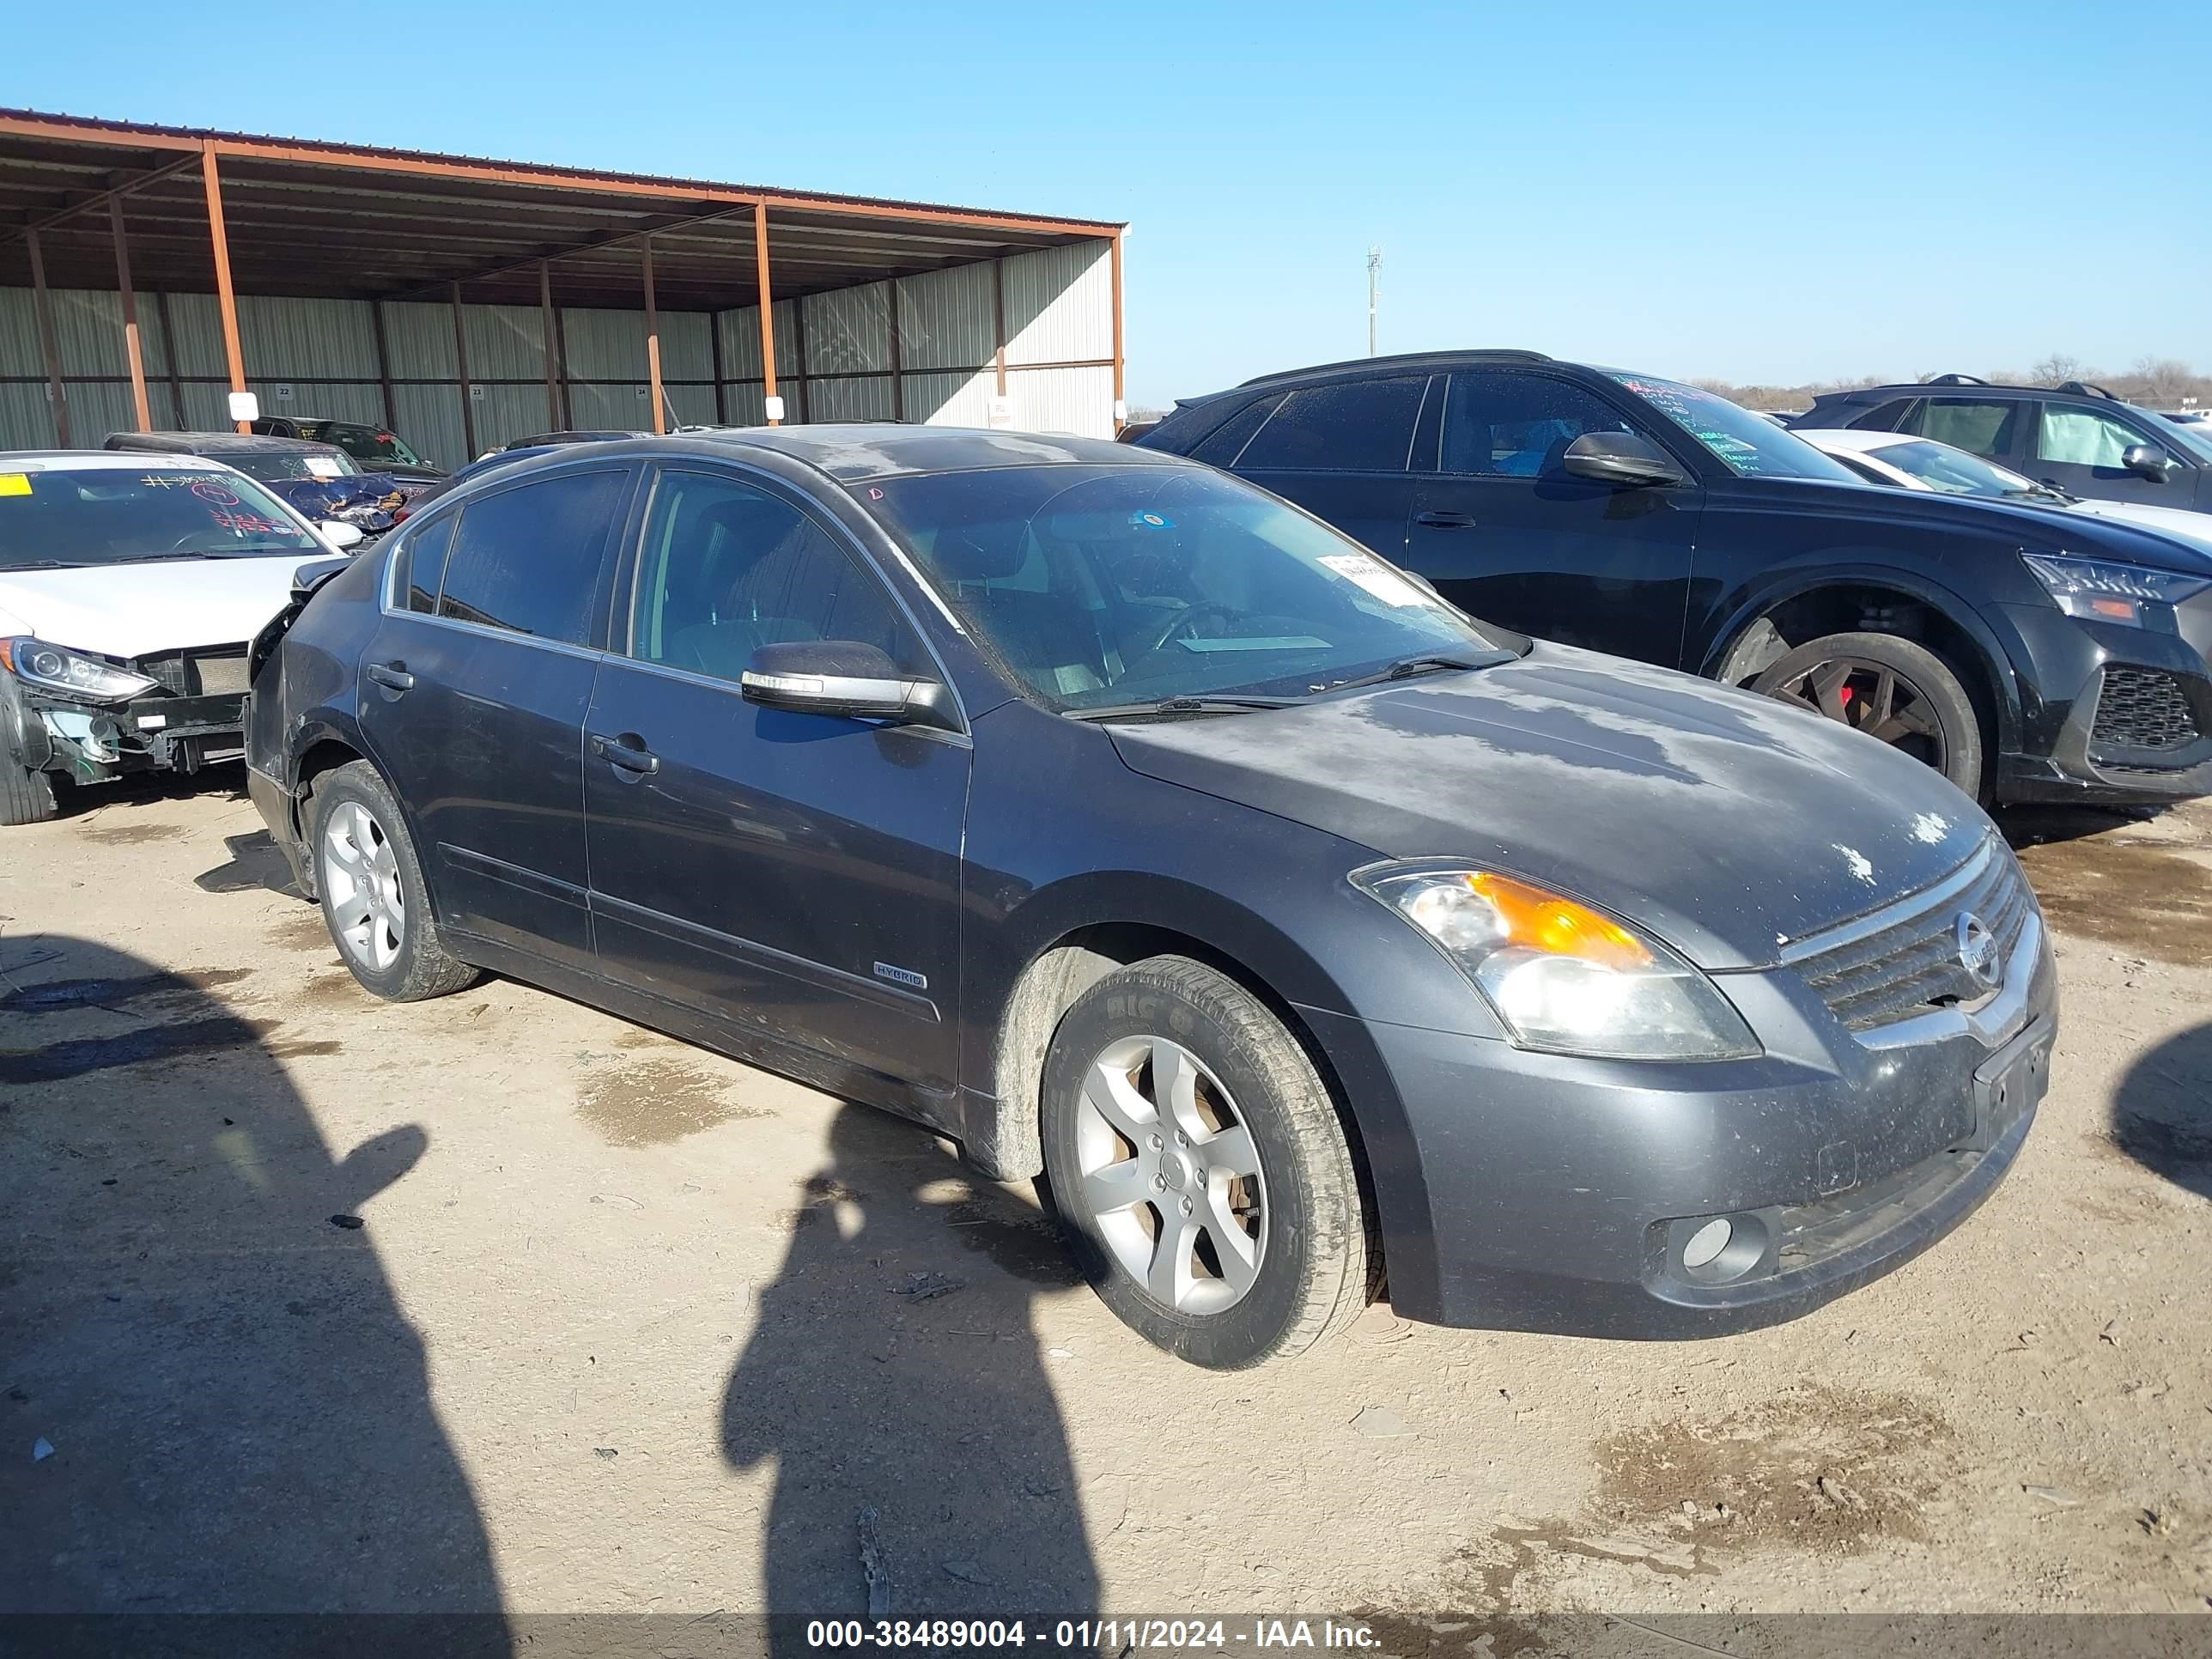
1913, 905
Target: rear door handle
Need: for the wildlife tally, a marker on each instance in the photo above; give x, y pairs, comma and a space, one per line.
1446, 520
394, 676
626, 753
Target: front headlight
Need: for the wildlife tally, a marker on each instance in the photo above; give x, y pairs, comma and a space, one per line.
2097, 591
56, 668
1562, 976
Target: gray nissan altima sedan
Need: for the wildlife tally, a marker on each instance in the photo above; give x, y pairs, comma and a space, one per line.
1138, 831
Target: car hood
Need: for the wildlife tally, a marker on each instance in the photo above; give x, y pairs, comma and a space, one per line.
138, 610
2195, 528
2045, 527
1727, 823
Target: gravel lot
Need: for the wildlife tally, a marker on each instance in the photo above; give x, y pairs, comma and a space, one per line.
498, 1302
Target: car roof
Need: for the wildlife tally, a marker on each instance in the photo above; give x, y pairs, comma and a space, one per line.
1400, 360
860, 451
212, 443
102, 460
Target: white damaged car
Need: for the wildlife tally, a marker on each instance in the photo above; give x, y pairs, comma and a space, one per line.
131, 587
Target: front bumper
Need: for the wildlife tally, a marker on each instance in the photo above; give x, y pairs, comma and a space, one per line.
1543, 1193
95, 741
2077, 669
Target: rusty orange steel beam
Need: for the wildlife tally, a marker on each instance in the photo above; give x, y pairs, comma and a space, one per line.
233, 354
241, 147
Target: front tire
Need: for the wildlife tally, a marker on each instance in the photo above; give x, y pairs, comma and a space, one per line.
25, 797
373, 899
1200, 1169
1894, 689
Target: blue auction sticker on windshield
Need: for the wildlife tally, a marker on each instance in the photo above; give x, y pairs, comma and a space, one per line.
1150, 521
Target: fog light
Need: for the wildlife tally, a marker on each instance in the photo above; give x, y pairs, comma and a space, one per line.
1708, 1241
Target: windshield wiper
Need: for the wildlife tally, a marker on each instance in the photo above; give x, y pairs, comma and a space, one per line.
1226, 705
1412, 667
49, 564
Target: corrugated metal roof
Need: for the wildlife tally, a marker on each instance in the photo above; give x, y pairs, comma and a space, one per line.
95, 127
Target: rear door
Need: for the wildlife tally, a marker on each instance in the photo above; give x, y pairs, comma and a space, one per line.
797, 874
473, 693
1342, 451
2079, 449
1506, 534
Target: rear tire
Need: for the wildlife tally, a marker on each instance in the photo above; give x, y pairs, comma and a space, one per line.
1239, 1237
25, 797
370, 886
1894, 689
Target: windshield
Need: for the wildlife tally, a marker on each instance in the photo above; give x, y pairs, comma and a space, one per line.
1748, 445
113, 515
275, 466
1100, 586
371, 445
1954, 471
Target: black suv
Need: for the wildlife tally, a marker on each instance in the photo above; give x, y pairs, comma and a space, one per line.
2029, 654
2077, 436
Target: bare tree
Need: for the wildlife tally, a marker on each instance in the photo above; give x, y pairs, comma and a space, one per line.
2057, 369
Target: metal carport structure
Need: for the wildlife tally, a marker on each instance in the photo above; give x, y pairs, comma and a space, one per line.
146, 272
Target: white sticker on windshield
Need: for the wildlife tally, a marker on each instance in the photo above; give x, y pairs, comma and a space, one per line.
1385, 584
322, 466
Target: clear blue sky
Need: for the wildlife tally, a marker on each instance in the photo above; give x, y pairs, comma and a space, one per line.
1774, 192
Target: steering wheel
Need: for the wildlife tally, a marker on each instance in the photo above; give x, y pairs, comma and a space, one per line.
1184, 618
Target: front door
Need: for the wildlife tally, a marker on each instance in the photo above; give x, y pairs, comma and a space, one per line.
2079, 450
473, 693
797, 874
1507, 536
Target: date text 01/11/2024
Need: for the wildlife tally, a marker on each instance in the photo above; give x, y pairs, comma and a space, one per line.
1112, 1635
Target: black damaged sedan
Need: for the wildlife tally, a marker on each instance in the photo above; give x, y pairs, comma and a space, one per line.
1140, 831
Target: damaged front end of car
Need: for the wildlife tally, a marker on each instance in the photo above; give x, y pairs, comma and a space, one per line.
92, 718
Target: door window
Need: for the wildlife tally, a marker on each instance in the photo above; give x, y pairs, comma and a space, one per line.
1885, 418
528, 559
1352, 426
423, 563
727, 568
1222, 446
1969, 423
1500, 424
2082, 437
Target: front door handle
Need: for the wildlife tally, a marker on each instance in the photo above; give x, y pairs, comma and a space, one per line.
392, 675
1446, 520
626, 753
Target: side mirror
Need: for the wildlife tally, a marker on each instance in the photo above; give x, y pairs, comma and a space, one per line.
843, 677
1620, 459
340, 534
2147, 461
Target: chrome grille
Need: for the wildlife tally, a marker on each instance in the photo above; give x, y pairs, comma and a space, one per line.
1875, 975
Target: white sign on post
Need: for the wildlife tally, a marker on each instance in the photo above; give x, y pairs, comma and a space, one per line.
245, 406
774, 409
1001, 416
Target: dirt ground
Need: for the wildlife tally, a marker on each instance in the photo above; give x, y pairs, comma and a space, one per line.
498, 1302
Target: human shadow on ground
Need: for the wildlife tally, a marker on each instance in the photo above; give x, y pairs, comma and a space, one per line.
212, 1402
895, 1377
2162, 1111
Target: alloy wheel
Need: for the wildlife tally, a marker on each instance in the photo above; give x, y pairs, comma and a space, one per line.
1873, 698
368, 906
1170, 1175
